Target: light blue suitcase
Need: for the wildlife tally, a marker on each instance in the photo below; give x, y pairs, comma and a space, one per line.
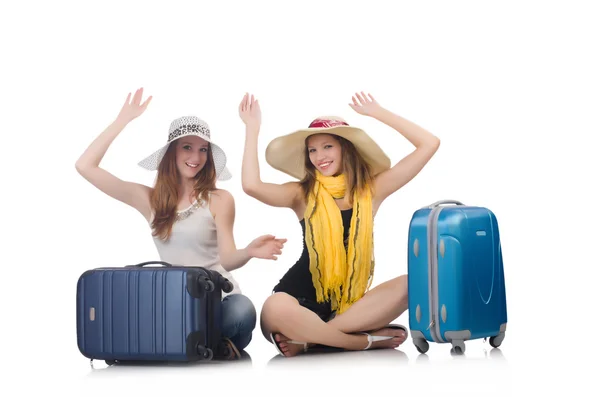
456, 288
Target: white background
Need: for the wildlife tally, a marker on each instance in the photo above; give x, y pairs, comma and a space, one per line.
511, 88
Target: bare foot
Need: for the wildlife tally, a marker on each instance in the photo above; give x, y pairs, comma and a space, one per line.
399, 336
289, 349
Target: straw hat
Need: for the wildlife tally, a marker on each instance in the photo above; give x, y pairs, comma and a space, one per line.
286, 153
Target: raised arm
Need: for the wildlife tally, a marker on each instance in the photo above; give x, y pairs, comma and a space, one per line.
426, 144
88, 164
222, 205
285, 195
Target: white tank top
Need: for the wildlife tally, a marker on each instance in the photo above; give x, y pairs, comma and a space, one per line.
193, 242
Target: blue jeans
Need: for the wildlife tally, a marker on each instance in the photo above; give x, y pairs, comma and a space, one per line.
239, 319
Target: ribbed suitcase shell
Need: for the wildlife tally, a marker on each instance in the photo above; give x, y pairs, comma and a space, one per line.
136, 313
456, 288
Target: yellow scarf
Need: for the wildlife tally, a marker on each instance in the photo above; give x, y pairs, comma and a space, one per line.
339, 275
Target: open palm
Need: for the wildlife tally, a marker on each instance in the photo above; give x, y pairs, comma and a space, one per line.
266, 247
364, 104
249, 110
133, 108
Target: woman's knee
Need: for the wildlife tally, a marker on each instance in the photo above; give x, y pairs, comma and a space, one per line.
245, 305
277, 305
239, 310
275, 308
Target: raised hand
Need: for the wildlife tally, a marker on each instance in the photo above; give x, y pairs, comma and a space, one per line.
249, 110
132, 108
266, 247
364, 104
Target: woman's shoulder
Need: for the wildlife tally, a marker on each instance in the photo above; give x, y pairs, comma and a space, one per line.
220, 200
220, 195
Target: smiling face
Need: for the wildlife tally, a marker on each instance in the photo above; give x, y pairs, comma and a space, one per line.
190, 155
325, 153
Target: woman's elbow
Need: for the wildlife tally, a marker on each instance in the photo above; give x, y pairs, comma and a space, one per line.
224, 261
249, 188
433, 145
80, 167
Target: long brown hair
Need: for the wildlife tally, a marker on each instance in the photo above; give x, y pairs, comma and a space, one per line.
164, 198
357, 171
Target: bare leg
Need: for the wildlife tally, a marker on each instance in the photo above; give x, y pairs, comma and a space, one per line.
379, 307
395, 338
282, 315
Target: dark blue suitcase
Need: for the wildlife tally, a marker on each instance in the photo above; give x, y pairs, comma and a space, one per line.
456, 289
149, 313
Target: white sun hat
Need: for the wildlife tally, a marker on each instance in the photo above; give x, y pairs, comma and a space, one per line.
186, 126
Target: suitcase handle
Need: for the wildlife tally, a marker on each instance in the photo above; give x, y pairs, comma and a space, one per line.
438, 203
151, 263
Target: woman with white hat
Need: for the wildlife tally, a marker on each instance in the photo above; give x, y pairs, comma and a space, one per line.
191, 220
343, 177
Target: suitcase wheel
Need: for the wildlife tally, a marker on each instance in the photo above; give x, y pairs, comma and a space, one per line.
458, 347
206, 284
421, 345
227, 286
205, 353
496, 341
110, 362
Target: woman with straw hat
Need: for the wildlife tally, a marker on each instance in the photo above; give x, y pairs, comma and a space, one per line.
191, 219
343, 177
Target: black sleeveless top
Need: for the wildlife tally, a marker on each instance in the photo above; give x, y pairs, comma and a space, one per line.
298, 280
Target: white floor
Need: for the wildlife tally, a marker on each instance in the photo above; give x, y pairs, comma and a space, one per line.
361, 372
526, 364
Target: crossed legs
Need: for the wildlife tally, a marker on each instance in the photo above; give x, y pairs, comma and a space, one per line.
283, 316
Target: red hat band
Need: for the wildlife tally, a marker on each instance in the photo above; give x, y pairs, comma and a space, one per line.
324, 123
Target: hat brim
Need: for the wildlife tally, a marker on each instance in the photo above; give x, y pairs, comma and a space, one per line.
286, 153
152, 162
